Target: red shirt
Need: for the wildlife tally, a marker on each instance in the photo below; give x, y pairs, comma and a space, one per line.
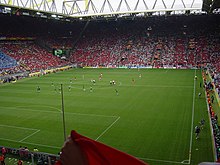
3, 150
2, 158
20, 162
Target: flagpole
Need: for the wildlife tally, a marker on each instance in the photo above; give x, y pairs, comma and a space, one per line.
62, 101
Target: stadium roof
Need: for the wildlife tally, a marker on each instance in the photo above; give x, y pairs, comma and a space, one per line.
96, 8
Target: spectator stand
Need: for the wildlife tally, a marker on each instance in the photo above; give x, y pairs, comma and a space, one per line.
212, 98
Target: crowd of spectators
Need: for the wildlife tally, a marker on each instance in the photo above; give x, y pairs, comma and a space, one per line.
59, 42
29, 57
213, 64
209, 89
26, 155
167, 42
12, 70
154, 43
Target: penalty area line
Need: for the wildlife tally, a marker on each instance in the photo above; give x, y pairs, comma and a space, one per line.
165, 161
9, 126
107, 129
57, 112
35, 144
29, 135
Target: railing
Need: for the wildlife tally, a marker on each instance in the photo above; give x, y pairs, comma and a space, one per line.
213, 117
38, 158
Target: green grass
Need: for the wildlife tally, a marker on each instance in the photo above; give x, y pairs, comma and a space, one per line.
152, 119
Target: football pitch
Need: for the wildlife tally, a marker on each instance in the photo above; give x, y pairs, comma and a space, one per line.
148, 113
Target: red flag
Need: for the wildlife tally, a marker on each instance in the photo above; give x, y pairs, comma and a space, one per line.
97, 153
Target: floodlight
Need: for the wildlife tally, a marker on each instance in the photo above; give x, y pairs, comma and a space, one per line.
25, 13
8, 8
53, 15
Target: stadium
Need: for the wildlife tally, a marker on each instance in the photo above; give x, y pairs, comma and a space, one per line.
126, 82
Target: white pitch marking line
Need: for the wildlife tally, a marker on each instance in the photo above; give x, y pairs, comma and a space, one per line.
127, 85
25, 107
107, 129
158, 160
31, 110
36, 144
85, 114
9, 126
29, 135
192, 121
161, 86
38, 106
185, 162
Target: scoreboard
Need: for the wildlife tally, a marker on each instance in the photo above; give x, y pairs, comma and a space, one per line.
59, 52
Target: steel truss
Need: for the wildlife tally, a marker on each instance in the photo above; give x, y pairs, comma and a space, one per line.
96, 8
39, 5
